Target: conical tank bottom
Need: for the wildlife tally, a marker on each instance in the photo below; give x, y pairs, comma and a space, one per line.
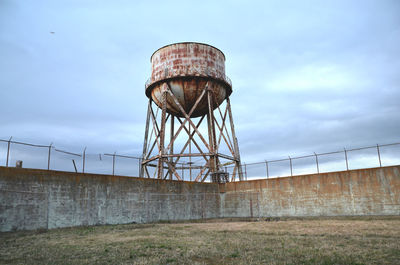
187, 90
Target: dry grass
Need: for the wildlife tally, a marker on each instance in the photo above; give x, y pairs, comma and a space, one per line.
362, 240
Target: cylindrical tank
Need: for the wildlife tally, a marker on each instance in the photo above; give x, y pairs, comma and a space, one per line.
187, 67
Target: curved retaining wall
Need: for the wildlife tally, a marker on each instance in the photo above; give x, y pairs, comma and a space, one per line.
39, 199
36, 199
374, 191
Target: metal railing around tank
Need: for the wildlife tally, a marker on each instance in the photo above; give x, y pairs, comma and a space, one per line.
148, 82
169, 72
50, 157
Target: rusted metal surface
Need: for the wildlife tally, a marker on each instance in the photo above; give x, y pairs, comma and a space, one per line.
188, 81
187, 67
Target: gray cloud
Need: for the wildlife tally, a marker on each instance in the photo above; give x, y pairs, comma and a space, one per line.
307, 76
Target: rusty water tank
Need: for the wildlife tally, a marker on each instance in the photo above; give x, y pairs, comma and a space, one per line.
186, 67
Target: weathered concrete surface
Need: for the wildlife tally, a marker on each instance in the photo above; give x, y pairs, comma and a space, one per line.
373, 191
33, 199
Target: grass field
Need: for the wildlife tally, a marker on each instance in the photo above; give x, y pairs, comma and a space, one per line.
357, 240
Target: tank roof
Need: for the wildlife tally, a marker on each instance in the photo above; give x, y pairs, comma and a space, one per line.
187, 42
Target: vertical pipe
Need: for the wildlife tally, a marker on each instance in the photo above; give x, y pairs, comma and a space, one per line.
190, 152
379, 155
266, 165
8, 150
48, 157
211, 132
316, 160
345, 155
146, 135
160, 167
113, 164
171, 151
83, 160
291, 167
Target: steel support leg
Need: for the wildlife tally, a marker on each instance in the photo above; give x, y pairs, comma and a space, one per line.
146, 135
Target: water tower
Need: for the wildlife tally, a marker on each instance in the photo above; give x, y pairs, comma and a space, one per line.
189, 133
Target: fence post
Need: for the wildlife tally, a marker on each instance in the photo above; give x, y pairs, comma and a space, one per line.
316, 160
266, 165
113, 167
245, 170
83, 160
48, 157
291, 168
140, 168
8, 150
379, 155
345, 155
73, 162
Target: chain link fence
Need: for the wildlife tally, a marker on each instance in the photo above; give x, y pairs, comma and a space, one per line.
346, 159
27, 155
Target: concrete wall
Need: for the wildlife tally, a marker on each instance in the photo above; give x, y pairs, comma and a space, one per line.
374, 191
33, 199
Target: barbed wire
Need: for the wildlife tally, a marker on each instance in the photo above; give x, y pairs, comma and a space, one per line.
317, 154
189, 165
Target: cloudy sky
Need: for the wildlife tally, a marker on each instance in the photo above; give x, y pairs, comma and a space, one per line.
307, 75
